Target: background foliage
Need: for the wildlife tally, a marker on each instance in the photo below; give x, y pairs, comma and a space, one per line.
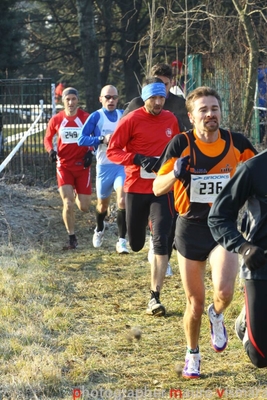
92, 43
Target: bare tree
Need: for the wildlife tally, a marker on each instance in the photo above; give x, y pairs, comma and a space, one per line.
229, 36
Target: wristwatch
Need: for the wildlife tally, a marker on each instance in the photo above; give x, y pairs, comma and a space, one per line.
101, 139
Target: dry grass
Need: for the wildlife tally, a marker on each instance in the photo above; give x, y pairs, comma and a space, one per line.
66, 320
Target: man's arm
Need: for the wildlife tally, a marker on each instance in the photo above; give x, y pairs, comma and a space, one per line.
90, 133
49, 134
163, 183
116, 151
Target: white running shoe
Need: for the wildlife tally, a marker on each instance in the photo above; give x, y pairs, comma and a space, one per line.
98, 237
192, 366
121, 246
218, 332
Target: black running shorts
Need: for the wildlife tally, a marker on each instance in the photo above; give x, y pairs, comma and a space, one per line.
193, 239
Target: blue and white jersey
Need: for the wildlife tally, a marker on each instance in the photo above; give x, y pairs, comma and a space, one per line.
100, 123
106, 127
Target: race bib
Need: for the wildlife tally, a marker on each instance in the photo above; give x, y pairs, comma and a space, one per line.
205, 188
147, 175
69, 135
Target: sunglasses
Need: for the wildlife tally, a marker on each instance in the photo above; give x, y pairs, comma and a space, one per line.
108, 97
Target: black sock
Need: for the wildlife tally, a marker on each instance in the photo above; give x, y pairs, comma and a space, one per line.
154, 295
72, 238
121, 222
100, 220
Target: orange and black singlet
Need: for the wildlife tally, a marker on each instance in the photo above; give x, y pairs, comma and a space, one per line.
211, 166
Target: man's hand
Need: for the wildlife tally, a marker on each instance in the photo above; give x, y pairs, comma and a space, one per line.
107, 138
87, 159
180, 167
253, 256
145, 162
52, 156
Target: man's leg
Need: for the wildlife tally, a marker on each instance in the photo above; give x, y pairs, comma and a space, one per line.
137, 206
121, 246
192, 276
224, 267
101, 212
83, 202
255, 322
161, 216
83, 189
68, 198
158, 271
103, 193
150, 254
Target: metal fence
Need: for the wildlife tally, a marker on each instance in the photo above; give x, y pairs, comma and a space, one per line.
20, 105
228, 76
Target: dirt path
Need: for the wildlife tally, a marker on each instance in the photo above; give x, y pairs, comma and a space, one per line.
31, 216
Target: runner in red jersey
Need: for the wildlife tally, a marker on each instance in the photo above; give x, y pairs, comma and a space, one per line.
138, 140
176, 105
73, 162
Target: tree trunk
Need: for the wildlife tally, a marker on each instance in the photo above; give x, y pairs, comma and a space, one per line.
252, 64
129, 43
89, 48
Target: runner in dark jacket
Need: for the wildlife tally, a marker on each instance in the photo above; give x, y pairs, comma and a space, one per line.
248, 185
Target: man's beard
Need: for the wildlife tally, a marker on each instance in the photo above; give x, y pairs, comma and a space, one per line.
155, 113
213, 128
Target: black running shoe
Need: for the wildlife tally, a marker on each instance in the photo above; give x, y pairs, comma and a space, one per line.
71, 245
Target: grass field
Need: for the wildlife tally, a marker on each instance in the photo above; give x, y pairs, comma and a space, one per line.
66, 318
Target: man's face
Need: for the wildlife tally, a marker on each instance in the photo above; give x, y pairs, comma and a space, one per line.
206, 115
166, 81
70, 104
154, 104
109, 98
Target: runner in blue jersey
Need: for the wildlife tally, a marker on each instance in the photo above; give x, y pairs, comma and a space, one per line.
97, 131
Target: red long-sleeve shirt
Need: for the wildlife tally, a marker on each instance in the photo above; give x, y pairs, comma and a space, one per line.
140, 132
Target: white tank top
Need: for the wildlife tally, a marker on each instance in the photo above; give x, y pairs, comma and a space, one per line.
105, 127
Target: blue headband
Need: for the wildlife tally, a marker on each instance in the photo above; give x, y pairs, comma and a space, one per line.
153, 89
